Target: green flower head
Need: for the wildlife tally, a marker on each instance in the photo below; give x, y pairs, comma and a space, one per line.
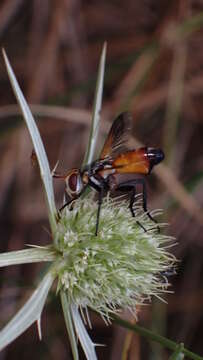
121, 266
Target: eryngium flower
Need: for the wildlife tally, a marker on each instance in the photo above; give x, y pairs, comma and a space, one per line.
121, 267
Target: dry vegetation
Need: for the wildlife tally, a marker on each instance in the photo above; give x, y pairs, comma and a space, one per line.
155, 70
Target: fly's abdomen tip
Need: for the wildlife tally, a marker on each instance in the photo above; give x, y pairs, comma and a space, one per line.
160, 155
155, 156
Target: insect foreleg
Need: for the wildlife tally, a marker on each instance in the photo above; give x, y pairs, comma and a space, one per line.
58, 216
66, 204
99, 184
100, 199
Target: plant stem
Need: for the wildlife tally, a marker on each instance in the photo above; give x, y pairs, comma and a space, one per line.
172, 345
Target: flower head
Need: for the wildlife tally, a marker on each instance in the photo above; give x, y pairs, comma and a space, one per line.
120, 267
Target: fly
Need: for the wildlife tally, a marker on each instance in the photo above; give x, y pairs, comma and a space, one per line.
104, 174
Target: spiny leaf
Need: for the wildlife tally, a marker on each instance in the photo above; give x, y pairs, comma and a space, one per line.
28, 314
37, 143
96, 110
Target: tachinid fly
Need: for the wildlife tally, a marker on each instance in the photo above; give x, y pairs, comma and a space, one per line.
104, 174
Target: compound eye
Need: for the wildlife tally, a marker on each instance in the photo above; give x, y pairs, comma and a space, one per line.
72, 182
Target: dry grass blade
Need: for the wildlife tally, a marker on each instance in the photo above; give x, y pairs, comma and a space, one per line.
175, 97
44, 69
7, 11
134, 79
178, 191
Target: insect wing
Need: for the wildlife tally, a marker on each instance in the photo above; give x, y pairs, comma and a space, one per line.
116, 138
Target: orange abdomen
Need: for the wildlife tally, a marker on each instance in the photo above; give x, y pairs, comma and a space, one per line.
134, 161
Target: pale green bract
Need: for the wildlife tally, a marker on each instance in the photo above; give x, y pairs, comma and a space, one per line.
96, 111
28, 314
38, 145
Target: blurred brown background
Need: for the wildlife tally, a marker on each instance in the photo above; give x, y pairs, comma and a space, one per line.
155, 70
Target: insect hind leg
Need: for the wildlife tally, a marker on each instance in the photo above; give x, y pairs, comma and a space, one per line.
130, 185
131, 206
144, 202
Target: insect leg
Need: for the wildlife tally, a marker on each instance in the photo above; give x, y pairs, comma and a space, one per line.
58, 216
100, 199
144, 197
66, 204
127, 186
130, 185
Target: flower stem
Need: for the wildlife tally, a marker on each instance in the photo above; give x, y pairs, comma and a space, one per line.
172, 345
